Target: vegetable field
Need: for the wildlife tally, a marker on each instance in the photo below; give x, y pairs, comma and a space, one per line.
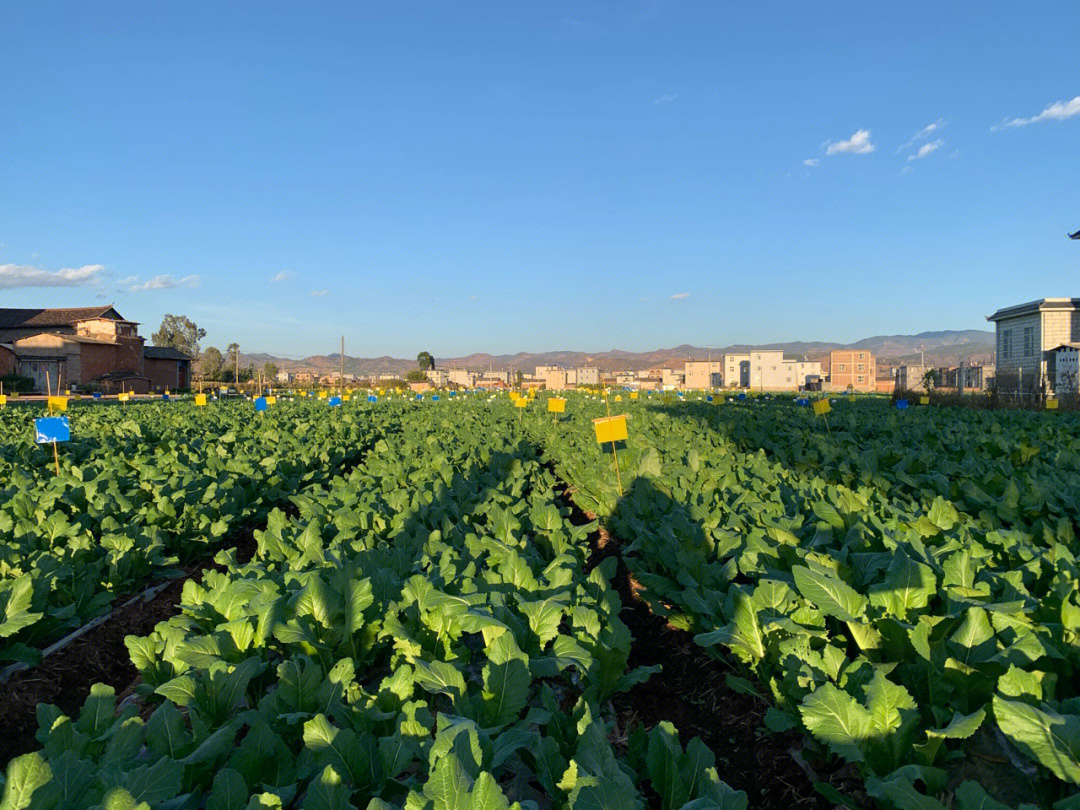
454, 604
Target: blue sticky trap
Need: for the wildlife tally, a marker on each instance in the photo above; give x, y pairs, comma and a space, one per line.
52, 429
97, 395
372, 398
164, 397
334, 402
435, 398
260, 404
708, 398
419, 397
453, 393
901, 404
742, 396
802, 401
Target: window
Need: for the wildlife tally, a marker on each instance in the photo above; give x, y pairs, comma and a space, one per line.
840, 367
860, 379
1029, 341
1006, 343
862, 367
862, 356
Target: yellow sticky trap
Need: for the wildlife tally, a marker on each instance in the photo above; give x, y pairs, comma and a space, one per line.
610, 429
67, 392
200, 399
3, 400
322, 395
271, 400
514, 396
719, 400
634, 395
345, 398
521, 403
1051, 404
618, 397
557, 405
57, 404
924, 400
668, 399
822, 407
123, 397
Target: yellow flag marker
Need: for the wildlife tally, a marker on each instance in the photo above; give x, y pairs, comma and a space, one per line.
634, 395
924, 400
557, 405
57, 404
3, 400
124, 397
514, 396
822, 407
271, 400
322, 395
521, 403
610, 429
1051, 404
200, 399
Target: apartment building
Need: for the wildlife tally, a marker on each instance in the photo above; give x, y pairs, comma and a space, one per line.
462, 377
672, 378
588, 375
1026, 334
852, 370
701, 374
554, 378
768, 370
438, 377
910, 378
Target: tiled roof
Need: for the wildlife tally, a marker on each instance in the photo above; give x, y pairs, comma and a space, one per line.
24, 318
164, 353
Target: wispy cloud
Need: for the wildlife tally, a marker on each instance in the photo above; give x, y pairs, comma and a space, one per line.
679, 296
25, 275
927, 149
319, 293
811, 162
923, 133
666, 98
166, 282
857, 144
1058, 111
284, 275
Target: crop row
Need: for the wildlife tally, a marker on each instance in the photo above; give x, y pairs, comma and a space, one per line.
906, 636
423, 632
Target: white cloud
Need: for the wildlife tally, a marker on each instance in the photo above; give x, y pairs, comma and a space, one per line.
25, 275
319, 293
927, 149
925, 132
905, 170
811, 162
472, 297
284, 275
666, 98
1058, 111
857, 144
679, 296
166, 282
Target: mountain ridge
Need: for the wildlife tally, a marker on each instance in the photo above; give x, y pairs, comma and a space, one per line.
941, 347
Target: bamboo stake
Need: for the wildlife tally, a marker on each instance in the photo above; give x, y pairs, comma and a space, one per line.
614, 451
56, 457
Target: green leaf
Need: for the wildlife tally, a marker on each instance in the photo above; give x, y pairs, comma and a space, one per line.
24, 775
837, 719
663, 757
1049, 738
833, 596
506, 681
229, 791
328, 792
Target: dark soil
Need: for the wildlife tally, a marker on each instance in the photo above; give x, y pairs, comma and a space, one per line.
692, 693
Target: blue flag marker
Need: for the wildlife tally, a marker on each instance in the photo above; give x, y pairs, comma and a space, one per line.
901, 404
260, 404
335, 401
372, 398
97, 395
435, 398
52, 429
708, 398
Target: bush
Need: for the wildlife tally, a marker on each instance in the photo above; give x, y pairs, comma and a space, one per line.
17, 383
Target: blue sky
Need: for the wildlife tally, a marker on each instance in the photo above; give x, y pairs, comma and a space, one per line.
533, 176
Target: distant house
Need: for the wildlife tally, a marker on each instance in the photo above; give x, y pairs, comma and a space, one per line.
7, 359
1026, 334
701, 374
852, 370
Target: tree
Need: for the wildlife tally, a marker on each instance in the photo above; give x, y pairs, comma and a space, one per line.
211, 364
179, 332
233, 351
425, 361
270, 372
416, 375
929, 379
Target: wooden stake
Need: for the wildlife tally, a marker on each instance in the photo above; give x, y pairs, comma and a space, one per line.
56, 457
614, 452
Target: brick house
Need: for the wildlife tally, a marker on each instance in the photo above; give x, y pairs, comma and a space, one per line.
852, 370
168, 369
83, 346
1026, 334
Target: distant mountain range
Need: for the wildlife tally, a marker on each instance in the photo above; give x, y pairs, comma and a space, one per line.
944, 348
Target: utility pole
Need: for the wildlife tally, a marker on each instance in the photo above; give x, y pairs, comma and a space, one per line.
237, 377
341, 373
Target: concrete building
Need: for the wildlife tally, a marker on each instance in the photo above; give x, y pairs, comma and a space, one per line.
910, 378
852, 370
438, 377
625, 379
1063, 368
588, 375
702, 374
672, 378
556, 379
1026, 333
463, 377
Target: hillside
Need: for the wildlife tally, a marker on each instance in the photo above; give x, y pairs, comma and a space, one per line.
947, 347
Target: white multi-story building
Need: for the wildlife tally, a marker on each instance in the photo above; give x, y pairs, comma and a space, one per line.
1026, 334
462, 377
438, 377
701, 374
588, 375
